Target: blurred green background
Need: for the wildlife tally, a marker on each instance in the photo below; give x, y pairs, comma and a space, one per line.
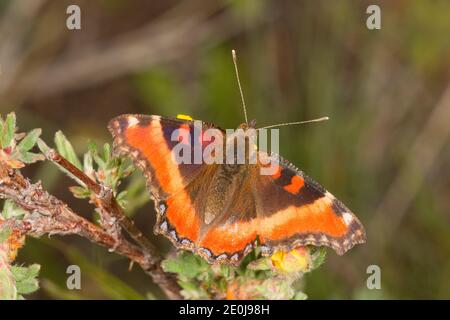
385, 152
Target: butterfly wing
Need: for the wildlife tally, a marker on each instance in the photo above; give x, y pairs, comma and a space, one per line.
294, 210
149, 141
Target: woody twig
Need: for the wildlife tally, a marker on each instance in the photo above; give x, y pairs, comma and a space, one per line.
48, 215
107, 203
108, 206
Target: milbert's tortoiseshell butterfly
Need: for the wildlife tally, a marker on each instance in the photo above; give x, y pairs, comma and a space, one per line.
222, 211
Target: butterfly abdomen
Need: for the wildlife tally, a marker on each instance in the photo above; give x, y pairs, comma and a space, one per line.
223, 185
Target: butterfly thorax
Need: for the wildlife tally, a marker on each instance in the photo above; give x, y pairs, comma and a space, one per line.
228, 178
241, 145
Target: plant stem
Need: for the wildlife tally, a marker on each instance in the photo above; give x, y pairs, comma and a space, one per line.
49, 215
108, 203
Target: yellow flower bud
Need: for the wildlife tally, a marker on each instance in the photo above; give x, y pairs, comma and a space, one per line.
293, 261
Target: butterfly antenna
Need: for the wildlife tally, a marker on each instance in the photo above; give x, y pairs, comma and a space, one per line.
233, 53
294, 123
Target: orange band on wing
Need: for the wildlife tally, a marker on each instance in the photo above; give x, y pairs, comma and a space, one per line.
180, 211
181, 216
230, 238
149, 140
318, 216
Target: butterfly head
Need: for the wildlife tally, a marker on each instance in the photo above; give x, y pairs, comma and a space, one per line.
251, 125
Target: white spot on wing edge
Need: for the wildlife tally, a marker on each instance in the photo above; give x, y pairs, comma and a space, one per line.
163, 226
132, 121
348, 218
329, 195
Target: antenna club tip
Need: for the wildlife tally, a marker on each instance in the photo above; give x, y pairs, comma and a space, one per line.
233, 53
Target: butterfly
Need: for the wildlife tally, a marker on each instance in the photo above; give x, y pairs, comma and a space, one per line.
222, 212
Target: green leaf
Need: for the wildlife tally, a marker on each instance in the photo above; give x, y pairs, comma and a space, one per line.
25, 273
187, 285
193, 291
42, 146
99, 161
8, 130
186, 265
80, 192
66, 149
10, 210
27, 286
88, 164
122, 198
107, 152
125, 169
92, 146
25, 277
29, 141
300, 296
262, 264
318, 257
31, 157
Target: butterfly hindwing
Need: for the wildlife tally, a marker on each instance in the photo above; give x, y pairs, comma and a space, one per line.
294, 210
228, 238
233, 233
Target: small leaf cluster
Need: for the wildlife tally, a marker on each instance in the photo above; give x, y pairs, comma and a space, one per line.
15, 147
256, 277
25, 279
99, 164
15, 281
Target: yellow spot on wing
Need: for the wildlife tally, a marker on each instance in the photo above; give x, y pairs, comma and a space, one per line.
184, 117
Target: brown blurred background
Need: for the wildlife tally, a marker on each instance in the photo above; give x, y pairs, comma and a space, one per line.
385, 152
